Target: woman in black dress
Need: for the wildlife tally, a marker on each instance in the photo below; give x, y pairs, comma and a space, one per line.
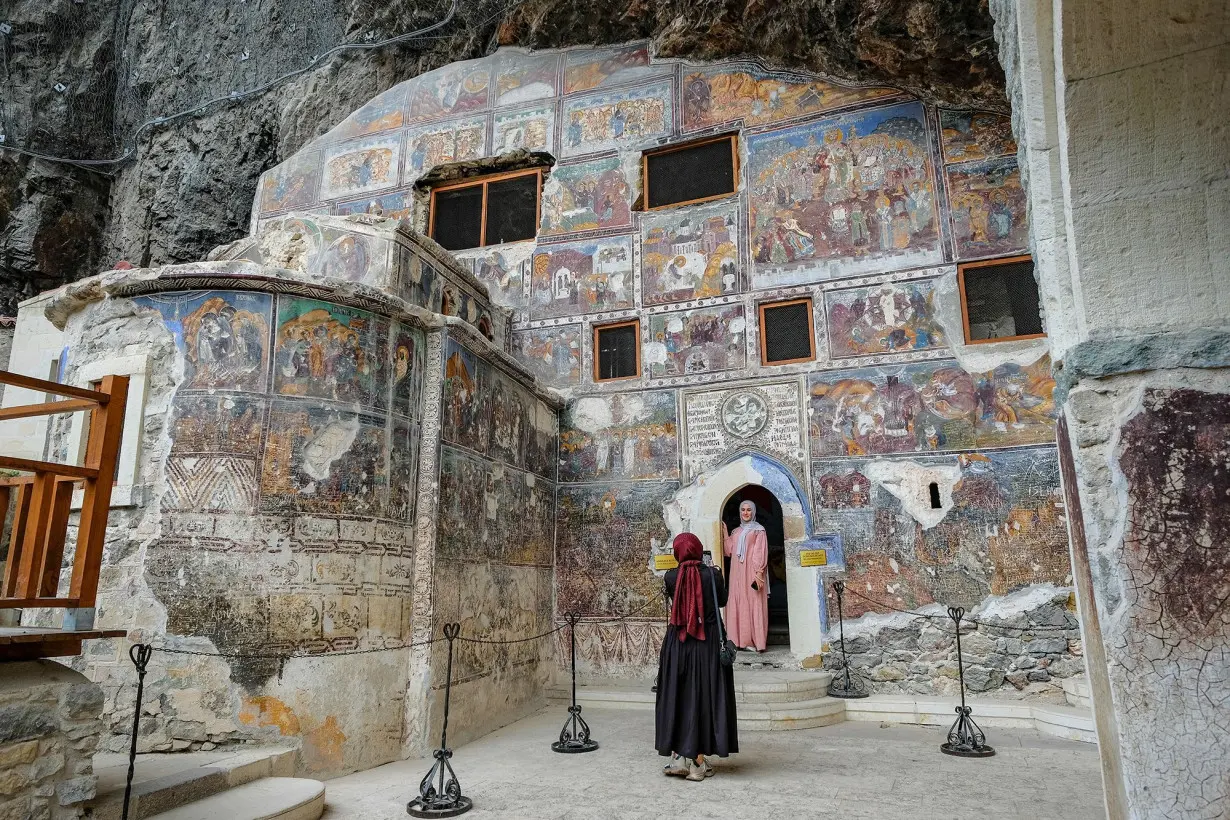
696, 693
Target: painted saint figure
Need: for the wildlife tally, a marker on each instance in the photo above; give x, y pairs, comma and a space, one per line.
747, 611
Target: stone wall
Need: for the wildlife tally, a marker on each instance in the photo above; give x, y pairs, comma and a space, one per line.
49, 730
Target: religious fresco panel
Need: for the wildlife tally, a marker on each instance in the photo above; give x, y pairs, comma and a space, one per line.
553, 354
541, 451
445, 142
930, 406
988, 208
690, 253
467, 398
420, 283
223, 335
704, 340
531, 129
404, 437
604, 538
465, 481
896, 317
505, 273
585, 197
843, 195
713, 95
586, 70
384, 112
609, 120
1005, 530
407, 375
510, 419
325, 461
217, 423
327, 351
455, 89
582, 277
293, 184
522, 78
397, 205
362, 166
970, 135
336, 253
624, 436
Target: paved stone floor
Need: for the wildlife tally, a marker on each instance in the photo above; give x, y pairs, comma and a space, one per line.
852, 771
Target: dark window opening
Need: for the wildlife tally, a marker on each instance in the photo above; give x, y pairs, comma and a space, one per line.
935, 496
617, 351
488, 211
999, 300
691, 173
786, 332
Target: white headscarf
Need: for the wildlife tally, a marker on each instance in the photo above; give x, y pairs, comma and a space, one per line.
746, 527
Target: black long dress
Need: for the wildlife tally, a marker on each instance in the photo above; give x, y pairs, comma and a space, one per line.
696, 693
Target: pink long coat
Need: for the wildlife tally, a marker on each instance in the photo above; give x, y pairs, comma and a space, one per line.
747, 609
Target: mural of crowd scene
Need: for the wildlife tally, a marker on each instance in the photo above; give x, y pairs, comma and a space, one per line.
467, 398
587, 70
372, 164
510, 419
1005, 531
628, 436
421, 284
435, 145
604, 538
324, 460
585, 197
523, 77
397, 205
689, 254
851, 187
404, 438
218, 423
223, 335
552, 354
327, 351
840, 485
931, 406
465, 480
746, 92
540, 440
507, 280
582, 277
608, 120
896, 317
454, 89
988, 208
532, 129
704, 340
293, 184
970, 135
407, 369
384, 112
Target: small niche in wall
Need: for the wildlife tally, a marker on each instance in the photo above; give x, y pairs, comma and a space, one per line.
934, 489
999, 300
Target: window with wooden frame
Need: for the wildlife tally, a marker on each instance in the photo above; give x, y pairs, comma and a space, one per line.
694, 172
617, 351
999, 300
787, 332
485, 211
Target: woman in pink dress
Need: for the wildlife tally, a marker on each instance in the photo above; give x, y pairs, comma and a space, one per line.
747, 608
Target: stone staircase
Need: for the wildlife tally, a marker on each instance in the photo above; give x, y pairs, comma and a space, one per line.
768, 699
244, 784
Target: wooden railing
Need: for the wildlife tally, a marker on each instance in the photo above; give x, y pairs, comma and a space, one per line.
44, 498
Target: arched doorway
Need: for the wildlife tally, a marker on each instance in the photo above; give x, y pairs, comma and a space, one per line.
769, 516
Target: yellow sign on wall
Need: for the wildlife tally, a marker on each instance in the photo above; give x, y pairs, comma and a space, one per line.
813, 558
661, 562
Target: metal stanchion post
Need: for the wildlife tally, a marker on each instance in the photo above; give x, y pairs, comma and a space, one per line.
845, 686
574, 737
965, 739
140, 654
446, 799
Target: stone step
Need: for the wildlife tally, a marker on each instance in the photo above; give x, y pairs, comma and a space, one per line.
803, 714
162, 782
270, 798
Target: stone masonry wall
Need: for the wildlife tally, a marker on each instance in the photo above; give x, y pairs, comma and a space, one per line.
49, 730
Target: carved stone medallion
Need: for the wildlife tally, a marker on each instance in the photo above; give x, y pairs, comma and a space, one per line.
745, 413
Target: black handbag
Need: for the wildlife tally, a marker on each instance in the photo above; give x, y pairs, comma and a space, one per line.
726, 649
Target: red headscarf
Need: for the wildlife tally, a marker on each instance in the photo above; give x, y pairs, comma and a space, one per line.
688, 612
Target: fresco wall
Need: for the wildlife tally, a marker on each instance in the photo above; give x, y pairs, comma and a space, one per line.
861, 199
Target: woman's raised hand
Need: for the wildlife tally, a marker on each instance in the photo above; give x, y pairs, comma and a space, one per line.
725, 531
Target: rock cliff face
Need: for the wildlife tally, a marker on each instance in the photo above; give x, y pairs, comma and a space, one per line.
80, 78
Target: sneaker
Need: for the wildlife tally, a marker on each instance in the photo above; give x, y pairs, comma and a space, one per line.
696, 773
709, 770
678, 767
